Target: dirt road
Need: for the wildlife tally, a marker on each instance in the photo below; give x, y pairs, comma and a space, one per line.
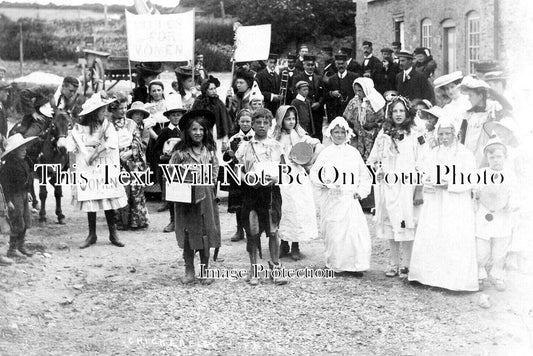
106, 300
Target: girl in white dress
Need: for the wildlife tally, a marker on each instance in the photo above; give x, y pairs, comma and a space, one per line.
396, 152
298, 213
342, 222
95, 141
444, 252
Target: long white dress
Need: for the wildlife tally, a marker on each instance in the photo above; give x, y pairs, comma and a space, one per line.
396, 216
444, 250
343, 224
109, 139
298, 213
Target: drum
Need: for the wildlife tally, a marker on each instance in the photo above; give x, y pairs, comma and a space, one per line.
301, 153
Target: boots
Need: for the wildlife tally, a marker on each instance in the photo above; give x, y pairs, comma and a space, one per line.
13, 252
113, 237
170, 227
188, 258
91, 239
295, 251
239, 235
284, 249
22, 247
204, 260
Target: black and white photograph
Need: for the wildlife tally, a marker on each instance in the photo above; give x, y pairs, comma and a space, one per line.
266, 177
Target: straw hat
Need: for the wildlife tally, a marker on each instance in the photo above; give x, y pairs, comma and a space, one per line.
434, 111
137, 106
95, 102
470, 82
447, 79
16, 141
174, 105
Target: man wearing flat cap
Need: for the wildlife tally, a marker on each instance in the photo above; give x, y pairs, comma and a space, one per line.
316, 93
339, 88
269, 83
424, 61
351, 64
372, 66
291, 71
410, 83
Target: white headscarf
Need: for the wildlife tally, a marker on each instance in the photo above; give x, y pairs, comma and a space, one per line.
373, 96
446, 122
342, 123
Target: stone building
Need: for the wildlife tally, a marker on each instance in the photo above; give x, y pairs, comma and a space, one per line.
458, 32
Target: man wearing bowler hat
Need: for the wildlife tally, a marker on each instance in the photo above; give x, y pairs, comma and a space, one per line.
396, 48
316, 92
339, 88
269, 83
411, 83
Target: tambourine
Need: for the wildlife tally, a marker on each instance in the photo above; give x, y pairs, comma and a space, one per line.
301, 153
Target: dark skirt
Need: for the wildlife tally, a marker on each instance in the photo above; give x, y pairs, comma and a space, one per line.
199, 222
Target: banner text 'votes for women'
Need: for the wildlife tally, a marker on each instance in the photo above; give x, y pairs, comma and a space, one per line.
160, 38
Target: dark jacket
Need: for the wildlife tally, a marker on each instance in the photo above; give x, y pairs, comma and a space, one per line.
217, 107
336, 106
269, 84
389, 78
427, 67
355, 67
305, 115
291, 93
416, 86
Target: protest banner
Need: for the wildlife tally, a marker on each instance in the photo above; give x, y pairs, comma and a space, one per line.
252, 43
100, 180
160, 38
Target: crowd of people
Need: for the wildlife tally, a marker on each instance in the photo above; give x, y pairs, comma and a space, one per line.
351, 131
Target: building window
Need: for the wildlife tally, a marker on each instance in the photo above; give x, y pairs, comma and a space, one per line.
426, 33
399, 31
472, 39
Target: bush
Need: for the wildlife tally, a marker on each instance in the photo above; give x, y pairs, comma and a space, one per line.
216, 56
214, 30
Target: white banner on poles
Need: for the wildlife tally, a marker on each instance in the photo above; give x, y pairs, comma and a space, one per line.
252, 43
160, 38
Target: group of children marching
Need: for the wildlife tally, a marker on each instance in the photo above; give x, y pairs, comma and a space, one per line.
441, 232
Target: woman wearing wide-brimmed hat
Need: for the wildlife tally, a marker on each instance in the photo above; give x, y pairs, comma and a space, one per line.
187, 85
197, 225
93, 140
482, 111
15, 177
146, 72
